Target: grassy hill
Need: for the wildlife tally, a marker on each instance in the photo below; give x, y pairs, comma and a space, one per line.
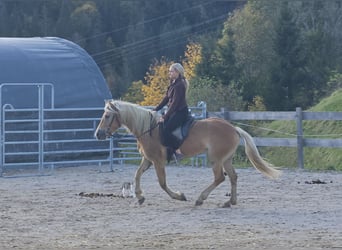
314, 158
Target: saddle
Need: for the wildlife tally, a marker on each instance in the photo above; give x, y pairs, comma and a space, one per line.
182, 132
179, 134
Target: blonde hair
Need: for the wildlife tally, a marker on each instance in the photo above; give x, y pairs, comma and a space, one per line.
180, 69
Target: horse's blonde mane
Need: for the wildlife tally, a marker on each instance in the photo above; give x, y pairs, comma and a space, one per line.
135, 118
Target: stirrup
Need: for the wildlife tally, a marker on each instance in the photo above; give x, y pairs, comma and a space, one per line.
178, 157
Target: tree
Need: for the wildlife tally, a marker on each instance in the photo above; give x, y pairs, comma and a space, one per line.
215, 94
281, 51
141, 30
193, 56
287, 71
134, 93
157, 81
334, 82
223, 60
157, 77
244, 52
4, 16
63, 20
86, 22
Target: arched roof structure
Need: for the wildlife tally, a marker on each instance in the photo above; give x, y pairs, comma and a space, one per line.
76, 79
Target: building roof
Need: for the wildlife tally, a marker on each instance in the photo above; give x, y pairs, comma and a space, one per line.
76, 79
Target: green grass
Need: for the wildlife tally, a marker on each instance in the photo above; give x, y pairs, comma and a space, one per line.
314, 158
331, 103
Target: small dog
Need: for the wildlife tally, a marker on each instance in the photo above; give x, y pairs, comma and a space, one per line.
127, 189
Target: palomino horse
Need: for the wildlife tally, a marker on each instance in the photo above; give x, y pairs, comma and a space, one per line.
215, 136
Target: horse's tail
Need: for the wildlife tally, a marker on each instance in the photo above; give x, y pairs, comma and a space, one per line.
254, 156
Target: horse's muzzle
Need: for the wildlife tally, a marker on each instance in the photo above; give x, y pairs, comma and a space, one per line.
100, 134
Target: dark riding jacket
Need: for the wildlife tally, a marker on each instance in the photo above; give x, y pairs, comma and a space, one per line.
174, 98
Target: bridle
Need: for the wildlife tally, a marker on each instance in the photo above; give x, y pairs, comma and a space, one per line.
112, 109
114, 117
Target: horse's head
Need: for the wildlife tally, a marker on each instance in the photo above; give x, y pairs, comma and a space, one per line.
110, 121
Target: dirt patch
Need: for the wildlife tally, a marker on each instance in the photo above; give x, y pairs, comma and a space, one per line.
49, 212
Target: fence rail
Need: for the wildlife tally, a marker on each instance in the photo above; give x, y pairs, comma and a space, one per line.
45, 136
298, 116
50, 137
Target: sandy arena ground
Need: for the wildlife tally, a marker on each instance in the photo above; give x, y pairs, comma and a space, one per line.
47, 212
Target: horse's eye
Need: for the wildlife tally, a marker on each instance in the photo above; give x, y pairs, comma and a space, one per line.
106, 116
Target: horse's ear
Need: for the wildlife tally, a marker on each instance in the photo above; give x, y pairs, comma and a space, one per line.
115, 105
110, 105
107, 101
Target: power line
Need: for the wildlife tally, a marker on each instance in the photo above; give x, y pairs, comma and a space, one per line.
204, 3
144, 51
143, 45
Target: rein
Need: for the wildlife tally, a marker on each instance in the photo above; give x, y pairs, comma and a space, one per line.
150, 129
147, 131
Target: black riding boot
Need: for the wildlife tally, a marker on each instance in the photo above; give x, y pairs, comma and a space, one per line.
170, 153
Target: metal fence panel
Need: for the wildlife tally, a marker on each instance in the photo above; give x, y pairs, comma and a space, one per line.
50, 137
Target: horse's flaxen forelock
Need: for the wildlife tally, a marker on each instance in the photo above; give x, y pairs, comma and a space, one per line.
137, 119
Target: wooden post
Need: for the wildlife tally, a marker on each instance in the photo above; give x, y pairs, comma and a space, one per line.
300, 141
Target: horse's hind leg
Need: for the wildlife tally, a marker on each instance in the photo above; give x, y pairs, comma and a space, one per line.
144, 165
160, 170
218, 178
229, 169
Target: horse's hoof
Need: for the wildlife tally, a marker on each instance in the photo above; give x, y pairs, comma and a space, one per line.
227, 204
233, 202
198, 203
182, 197
141, 201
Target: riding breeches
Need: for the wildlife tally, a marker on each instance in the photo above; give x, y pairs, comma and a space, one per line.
166, 129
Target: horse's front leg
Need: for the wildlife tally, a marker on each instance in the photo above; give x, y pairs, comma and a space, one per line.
160, 170
144, 165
